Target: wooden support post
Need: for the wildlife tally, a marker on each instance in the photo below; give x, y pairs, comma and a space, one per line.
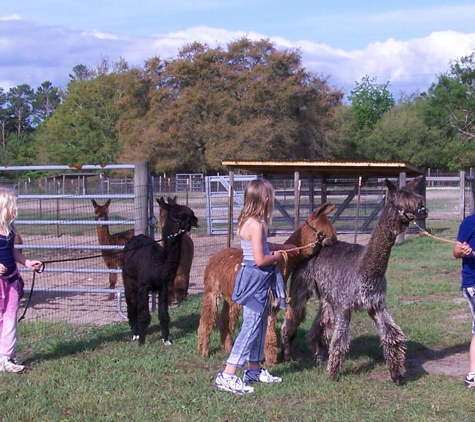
141, 197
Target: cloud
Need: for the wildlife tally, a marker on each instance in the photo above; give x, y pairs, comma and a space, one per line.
30, 53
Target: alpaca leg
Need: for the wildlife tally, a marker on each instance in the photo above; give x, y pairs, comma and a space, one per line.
393, 343
143, 314
163, 315
209, 311
270, 348
112, 284
318, 337
339, 345
288, 332
227, 323
132, 313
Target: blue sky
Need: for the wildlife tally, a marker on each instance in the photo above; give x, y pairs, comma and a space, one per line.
407, 43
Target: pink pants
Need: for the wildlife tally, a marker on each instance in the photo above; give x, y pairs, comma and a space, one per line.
8, 320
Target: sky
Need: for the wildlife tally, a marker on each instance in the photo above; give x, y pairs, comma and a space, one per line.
405, 43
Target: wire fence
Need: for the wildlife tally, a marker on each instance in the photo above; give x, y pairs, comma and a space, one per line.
74, 286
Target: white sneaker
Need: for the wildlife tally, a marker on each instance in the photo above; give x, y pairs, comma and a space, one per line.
232, 384
260, 376
9, 365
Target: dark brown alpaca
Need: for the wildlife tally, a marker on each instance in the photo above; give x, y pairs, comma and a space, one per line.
350, 277
179, 289
149, 267
112, 257
220, 276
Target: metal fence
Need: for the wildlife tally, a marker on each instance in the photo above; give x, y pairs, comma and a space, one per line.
56, 222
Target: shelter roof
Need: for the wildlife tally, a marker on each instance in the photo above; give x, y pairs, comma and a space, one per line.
325, 168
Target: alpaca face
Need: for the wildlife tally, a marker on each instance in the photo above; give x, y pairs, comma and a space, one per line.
183, 218
101, 212
409, 204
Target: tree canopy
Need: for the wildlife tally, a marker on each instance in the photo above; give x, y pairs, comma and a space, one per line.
244, 100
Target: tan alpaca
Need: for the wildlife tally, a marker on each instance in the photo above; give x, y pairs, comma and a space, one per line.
112, 257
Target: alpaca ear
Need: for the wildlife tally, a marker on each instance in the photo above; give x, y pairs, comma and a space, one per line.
162, 203
94, 203
414, 183
390, 185
172, 201
107, 203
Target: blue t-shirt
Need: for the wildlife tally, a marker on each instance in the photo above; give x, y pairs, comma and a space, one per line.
467, 234
6, 253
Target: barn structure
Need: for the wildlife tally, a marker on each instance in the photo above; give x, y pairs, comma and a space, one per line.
343, 183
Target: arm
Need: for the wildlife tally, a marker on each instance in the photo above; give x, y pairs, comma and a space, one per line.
284, 247
256, 234
32, 264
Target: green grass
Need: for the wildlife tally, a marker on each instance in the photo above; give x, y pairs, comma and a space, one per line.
88, 373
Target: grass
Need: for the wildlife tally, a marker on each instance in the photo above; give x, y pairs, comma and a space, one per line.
89, 373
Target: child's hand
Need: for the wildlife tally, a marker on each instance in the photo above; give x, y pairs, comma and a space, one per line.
3, 269
466, 249
292, 249
33, 264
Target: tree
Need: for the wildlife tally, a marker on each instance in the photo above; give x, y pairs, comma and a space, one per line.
249, 101
20, 108
82, 129
370, 101
46, 99
452, 99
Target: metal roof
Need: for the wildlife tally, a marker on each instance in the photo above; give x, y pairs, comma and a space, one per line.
326, 168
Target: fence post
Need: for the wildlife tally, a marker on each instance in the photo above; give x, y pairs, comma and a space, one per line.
462, 195
141, 197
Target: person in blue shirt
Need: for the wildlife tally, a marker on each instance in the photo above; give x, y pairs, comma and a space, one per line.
11, 283
464, 249
257, 277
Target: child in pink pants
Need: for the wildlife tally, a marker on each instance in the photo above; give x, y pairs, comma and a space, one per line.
11, 284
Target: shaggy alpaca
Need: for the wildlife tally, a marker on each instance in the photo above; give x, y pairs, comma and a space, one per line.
220, 275
351, 277
179, 290
149, 267
112, 258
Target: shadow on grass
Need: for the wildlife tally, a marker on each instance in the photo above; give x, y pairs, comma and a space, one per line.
91, 338
368, 346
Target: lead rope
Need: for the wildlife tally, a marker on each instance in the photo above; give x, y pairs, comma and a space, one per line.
442, 239
179, 232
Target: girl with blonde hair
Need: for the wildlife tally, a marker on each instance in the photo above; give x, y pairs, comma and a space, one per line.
11, 283
257, 277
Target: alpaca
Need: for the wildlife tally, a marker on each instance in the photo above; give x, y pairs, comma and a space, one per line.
220, 275
179, 288
112, 258
149, 267
351, 277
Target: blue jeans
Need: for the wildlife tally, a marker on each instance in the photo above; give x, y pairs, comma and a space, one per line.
249, 344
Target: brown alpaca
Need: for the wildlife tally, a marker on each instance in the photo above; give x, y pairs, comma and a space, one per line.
112, 257
179, 289
220, 275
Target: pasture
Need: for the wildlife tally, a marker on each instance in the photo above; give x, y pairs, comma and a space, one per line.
83, 371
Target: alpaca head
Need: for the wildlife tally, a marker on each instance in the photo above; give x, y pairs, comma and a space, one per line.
407, 203
320, 224
317, 231
179, 218
101, 212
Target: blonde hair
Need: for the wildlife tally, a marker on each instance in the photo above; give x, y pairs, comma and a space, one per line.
8, 209
258, 202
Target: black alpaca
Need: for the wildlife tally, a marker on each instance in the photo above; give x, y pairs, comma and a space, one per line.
350, 277
149, 267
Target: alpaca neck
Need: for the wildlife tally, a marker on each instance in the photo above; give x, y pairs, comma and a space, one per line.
172, 257
103, 234
376, 254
